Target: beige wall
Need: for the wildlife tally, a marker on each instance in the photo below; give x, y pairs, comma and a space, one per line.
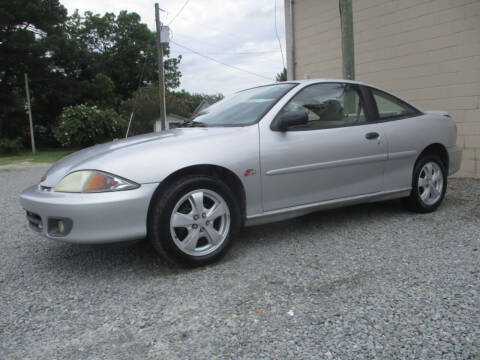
426, 51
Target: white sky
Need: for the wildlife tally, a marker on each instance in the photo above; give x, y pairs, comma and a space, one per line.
237, 32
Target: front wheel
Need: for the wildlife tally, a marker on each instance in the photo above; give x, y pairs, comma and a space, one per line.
429, 184
194, 220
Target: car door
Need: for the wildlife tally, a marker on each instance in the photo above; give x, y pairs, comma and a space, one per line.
404, 130
339, 153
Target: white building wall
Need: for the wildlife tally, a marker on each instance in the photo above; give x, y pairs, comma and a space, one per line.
426, 51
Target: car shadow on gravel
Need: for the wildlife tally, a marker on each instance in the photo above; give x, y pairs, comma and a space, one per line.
141, 258
328, 220
122, 259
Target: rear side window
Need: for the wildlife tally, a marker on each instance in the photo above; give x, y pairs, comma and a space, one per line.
390, 107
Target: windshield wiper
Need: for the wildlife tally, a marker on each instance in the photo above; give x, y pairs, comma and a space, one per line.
191, 123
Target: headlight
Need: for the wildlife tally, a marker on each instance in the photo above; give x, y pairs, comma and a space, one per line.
87, 181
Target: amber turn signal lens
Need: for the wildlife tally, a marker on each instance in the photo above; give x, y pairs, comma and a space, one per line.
96, 182
92, 181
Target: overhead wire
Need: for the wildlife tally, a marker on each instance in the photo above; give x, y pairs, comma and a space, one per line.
234, 53
215, 45
205, 25
239, 52
179, 12
278, 37
220, 62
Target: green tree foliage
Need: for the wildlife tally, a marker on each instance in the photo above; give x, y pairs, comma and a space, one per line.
120, 47
84, 125
102, 91
146, 103
80, 59
10, 146
26, 28
282, 76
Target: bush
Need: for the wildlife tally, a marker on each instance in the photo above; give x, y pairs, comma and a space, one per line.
10, 146
84, 125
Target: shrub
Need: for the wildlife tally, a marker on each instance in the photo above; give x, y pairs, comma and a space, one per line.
84, 125
10, 145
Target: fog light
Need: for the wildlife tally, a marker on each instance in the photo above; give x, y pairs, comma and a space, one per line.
61, 226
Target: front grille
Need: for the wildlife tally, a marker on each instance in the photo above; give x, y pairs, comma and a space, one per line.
35, 221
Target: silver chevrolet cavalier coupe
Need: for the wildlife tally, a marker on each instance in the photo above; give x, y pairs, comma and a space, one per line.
264, 154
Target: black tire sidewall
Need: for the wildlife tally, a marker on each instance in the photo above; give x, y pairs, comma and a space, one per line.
161, 210
415, 200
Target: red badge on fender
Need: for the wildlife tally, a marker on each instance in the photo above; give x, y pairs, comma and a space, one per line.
249, 172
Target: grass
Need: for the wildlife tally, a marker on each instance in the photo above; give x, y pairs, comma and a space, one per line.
41, 156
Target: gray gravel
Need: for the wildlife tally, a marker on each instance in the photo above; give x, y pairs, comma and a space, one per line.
369, 281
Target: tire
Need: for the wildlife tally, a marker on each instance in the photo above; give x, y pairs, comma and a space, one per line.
194, 220
429, 184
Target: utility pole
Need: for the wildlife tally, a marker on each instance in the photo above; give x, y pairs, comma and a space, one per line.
292, 42
161, 75
346, 21
29, 110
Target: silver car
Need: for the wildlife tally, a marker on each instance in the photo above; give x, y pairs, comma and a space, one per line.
264, 154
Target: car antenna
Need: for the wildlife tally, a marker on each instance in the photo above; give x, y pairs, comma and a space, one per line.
132, 114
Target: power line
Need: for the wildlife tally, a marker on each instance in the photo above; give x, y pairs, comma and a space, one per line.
278, 37
240, 52
203, 41
219, 62
206, 25
216, 46
179, 11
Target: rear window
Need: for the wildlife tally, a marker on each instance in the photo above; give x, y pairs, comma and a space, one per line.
390, 107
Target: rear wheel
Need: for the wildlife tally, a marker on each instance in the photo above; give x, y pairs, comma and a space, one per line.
429, 184
194, 220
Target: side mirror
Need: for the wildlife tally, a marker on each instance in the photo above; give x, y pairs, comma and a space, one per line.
290, 118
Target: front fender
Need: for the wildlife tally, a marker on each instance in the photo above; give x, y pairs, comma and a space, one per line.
236, 149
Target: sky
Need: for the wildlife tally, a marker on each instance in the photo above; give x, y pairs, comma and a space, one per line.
240, 33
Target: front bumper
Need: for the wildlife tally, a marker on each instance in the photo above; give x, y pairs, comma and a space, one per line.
454, 159
95, 218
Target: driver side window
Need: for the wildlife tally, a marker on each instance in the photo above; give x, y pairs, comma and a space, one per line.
328, 105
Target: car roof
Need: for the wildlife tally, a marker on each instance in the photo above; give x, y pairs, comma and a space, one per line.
345, 81
320, 80
310, 81
325, 80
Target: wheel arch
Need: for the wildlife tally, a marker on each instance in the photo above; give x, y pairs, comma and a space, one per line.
225, 175
436, 149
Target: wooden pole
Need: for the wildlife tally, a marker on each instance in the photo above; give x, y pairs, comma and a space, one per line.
29, 110
161, 75
348, 56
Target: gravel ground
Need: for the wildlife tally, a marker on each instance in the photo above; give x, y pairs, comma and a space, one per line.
369, 281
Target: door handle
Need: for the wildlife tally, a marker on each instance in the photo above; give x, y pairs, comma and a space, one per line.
372, 135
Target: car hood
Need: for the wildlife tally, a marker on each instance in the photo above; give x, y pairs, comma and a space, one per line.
98, 157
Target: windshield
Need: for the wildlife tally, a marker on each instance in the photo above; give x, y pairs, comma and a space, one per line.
242, 108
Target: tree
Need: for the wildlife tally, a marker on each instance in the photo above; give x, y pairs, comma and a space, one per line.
104, 57
120, 47
92, 59
145, 101
282, 76
26, 27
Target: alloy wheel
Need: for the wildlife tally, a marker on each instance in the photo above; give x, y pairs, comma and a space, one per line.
430, 183
200, 222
